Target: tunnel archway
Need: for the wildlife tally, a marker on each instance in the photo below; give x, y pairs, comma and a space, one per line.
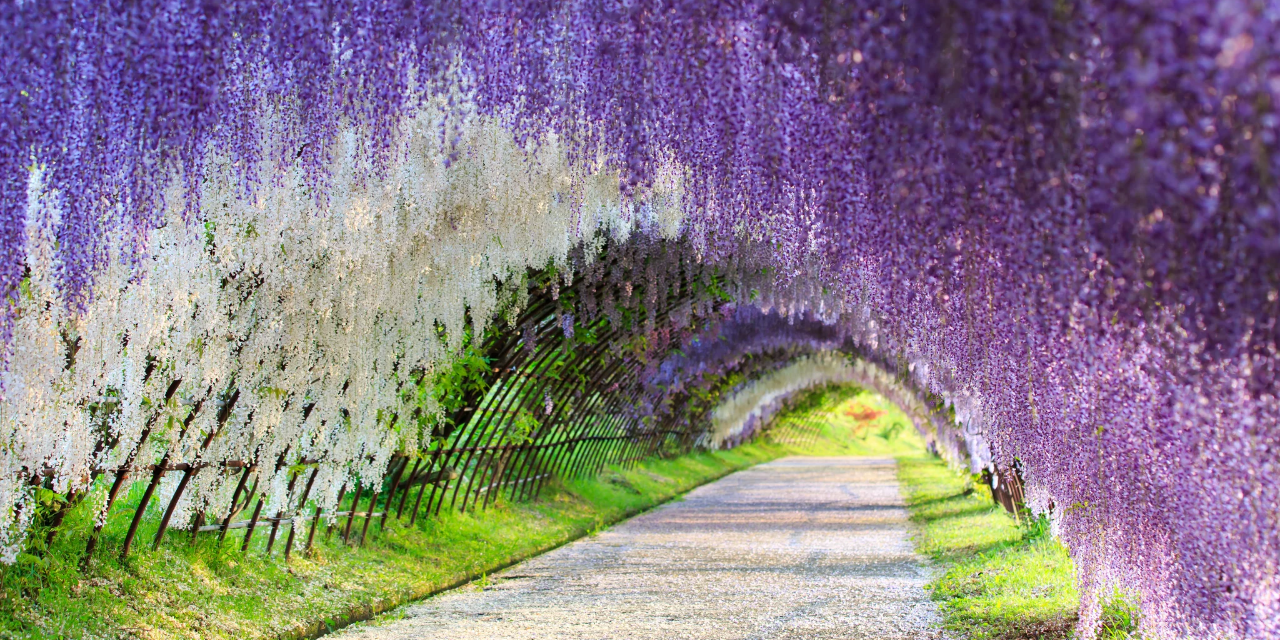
248, 250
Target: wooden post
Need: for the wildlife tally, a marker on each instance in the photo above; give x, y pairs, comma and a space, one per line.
123, 472
156, 474
194, 467
275, 522
342, 492
253, 524
418, 501
302, 503
315, 520
373, 501
351, 515
235, 498
395, 479
405, 496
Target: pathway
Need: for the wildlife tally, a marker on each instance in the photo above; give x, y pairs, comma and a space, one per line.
811, 548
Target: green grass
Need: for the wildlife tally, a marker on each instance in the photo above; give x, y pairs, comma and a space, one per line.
208, 590
1000, 579
865, 425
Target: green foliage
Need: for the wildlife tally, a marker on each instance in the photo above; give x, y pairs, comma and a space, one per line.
521, 430
891, 430
1119, 618
441, 395
466, 376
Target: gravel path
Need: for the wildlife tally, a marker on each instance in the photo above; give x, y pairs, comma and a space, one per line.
809, 548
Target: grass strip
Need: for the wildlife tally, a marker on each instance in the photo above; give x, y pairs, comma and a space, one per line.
1000, 579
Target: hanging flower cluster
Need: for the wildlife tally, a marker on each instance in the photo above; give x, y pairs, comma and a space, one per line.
316, 315
1061, 216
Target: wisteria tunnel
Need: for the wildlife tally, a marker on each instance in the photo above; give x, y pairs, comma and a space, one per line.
283, 272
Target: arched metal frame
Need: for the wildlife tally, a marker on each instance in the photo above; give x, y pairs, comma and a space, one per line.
580, 396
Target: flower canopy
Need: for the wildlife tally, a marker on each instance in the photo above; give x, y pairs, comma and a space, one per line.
1058, 219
